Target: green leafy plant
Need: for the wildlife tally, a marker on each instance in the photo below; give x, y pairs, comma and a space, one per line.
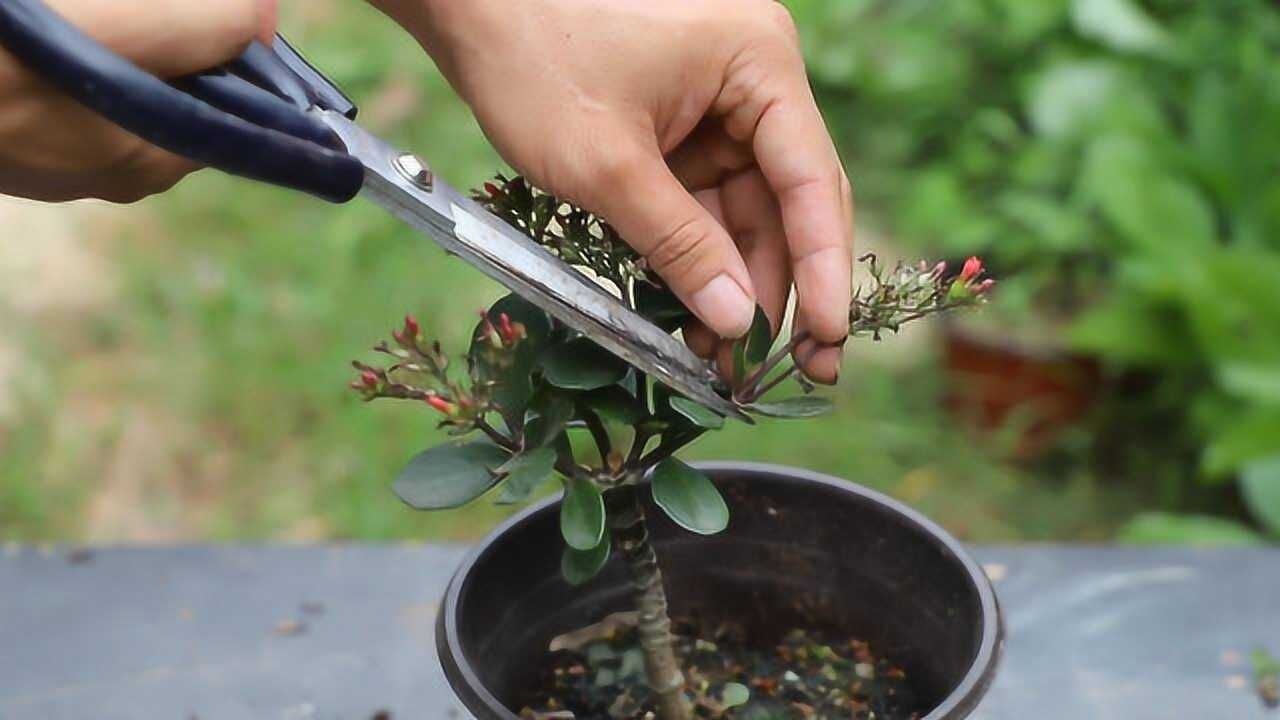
1266, 675
1114, 161
533, 401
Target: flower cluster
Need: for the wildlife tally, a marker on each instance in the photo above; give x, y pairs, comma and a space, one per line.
421, 372
911, 292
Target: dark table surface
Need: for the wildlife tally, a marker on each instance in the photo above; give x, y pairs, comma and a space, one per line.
345, 632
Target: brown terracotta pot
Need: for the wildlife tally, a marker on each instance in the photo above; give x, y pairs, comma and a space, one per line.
994, 381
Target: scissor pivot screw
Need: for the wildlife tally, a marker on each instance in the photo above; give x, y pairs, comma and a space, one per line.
415, 171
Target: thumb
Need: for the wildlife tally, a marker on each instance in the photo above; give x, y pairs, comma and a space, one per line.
638, 194
173, 37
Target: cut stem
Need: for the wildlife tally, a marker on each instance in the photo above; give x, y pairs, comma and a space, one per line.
749, 385
662, 669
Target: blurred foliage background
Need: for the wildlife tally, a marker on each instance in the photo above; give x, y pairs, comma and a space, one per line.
177, 369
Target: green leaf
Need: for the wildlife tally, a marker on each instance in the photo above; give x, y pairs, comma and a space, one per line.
1244, 436
1156, 528
524, 473
579, 566
1264, 663
697, 414
1120, 24
632, 663
1128, 329
614, 404
1152, 208
661, 307
1251, 381
739, 361
796, 407
1260, 485
449, 475
513, 382
631, 383
580, 364
552, 414
689, 498
1068, 97
605, 677
734, 694
759, 339
582, 515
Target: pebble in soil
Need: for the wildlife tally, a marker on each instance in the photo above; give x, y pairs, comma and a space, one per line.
807, 676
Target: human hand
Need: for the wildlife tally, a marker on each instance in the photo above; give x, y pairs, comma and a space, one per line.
53, 149
689, 126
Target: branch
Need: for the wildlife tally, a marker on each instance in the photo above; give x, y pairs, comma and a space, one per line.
598, 433
666, 450
498, 438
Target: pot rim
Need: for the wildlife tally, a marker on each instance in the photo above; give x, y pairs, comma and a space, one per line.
971, 687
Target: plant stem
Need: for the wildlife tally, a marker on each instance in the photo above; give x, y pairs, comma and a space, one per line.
667, 449
498, 438
760, 391
600, 434
778, 356
631, 536
764, 389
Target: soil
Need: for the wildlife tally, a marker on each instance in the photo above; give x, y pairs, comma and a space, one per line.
807, 676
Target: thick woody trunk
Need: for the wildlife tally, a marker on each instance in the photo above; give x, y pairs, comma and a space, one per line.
631, 537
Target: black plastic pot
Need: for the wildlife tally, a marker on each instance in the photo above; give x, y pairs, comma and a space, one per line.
801, 550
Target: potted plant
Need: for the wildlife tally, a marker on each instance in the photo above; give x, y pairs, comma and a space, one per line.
819, 599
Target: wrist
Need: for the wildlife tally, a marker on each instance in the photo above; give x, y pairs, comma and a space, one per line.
419, 17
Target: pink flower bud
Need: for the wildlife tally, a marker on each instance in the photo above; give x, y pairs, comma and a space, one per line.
940, 269
440, 404
972, 269
985, 286
411, 327
506, 330
369, 379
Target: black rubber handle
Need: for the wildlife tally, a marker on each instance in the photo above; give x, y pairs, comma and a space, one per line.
236, 125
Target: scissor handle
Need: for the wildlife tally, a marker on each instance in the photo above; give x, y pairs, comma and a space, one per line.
250, 118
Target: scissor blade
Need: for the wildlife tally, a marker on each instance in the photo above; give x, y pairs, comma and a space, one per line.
464, 228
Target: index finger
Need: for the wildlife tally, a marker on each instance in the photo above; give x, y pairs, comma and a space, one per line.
795, 152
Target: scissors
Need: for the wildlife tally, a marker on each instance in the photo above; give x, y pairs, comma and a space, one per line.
269, 115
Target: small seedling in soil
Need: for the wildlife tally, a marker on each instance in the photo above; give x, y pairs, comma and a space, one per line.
532, 401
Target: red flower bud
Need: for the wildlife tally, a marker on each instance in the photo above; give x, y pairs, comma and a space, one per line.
440, 404
492, 189
505, 329
399, 337
411, 327
487, 332
370, 380
972, 269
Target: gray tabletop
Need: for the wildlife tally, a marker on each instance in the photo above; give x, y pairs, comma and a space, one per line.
345, 632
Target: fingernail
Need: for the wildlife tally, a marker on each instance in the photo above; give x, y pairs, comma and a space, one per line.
824, 367
724, 307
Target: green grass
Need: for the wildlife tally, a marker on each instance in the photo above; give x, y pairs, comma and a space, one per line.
243, 308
